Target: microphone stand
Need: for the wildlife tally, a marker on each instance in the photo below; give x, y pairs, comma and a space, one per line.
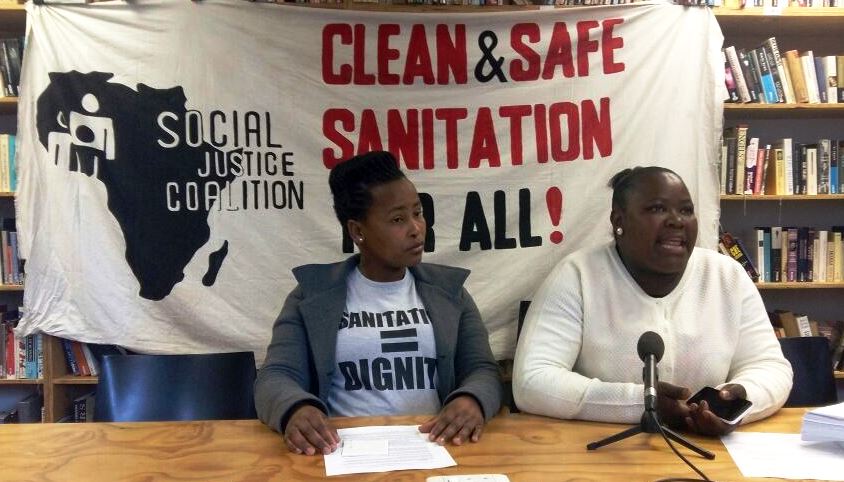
649, 423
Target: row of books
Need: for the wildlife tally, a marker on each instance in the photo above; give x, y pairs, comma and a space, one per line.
764, 76
791, 3
783, 167
79, 358
8, 169
11, 55
20, 357
82, 409
30, 409
11, 264
790, 324
789, 254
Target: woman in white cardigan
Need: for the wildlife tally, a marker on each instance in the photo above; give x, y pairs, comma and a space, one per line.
577, 354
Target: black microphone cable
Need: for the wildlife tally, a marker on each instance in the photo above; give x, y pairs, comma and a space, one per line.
683, 458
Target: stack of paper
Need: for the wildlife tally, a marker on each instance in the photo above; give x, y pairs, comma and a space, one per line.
825, 424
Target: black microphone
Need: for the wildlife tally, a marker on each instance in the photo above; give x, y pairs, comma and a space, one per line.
650, 348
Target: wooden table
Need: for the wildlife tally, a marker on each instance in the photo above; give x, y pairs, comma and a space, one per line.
524, 447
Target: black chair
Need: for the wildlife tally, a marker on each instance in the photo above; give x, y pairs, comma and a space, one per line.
814, 380
137, 388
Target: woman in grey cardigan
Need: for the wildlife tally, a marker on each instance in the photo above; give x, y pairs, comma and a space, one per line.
380, 333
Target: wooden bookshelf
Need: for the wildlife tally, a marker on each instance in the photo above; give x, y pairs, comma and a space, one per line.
786, 285
839, 375
775, 111
787, 197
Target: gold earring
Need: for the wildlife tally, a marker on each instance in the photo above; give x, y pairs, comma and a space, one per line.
619, 231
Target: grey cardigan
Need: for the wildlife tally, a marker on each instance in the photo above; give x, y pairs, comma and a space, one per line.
300, 358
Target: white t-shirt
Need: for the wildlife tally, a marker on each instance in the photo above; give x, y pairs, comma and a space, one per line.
386, 354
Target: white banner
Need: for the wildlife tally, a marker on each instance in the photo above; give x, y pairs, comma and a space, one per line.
174, 155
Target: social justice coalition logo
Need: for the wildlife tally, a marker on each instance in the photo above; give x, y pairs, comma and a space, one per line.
164, 167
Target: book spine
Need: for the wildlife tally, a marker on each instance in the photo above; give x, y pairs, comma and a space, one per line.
795, 69
753, 165
820, 78
69, 358
768, 87
775, 72
791, 255
738, 75
824, 153
831, 79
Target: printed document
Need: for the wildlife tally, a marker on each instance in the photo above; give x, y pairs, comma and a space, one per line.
824, 424
385, 448
784, 455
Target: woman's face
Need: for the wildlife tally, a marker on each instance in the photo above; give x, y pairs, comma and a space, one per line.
393, 231
659, 225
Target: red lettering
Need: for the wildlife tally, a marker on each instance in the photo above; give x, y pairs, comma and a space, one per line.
403, 141
451, 54
541, 129
484, 144
347, 121
451, 116
559, 53
428, 138
386, 54
515, 113
359, 57
418, 58
370, 138
571, 124
344, 33
610, 43
596, 129
529, 68
584, 46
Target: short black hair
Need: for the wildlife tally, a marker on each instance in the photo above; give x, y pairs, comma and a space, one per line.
625, 180
351, 182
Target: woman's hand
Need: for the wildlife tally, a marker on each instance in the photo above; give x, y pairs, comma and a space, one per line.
309, 432
703, 421
671, 404
460, 420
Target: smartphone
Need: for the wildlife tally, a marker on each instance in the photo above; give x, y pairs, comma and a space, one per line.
729, 411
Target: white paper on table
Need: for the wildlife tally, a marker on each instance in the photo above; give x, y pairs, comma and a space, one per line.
406, 449
784, 455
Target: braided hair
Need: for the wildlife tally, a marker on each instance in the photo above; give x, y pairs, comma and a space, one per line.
624, 181
352, 180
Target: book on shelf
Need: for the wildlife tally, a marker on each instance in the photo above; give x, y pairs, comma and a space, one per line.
734, 248
820, 78
768, 47
29, 409
808, 60
83, 407
831, 84
795, 68
738, 74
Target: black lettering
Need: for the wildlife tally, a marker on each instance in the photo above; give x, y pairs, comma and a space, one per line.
403, 371
526, 240
401, 318
344, 321
428, 213
350, 374
499, 202
475, 228
381, 375
424, 314
368, 319
364, 374
354, 320
389, 316
420, 372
